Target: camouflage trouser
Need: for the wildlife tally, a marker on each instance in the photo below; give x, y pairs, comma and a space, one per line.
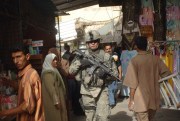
97, 109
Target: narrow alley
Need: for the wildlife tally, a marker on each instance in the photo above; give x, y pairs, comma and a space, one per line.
121, 113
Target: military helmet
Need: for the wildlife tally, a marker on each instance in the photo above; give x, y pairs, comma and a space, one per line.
92, 35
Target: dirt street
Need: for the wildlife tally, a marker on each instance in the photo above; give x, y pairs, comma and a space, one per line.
121, 113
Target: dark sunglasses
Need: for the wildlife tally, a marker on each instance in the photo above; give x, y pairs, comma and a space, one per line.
94, 41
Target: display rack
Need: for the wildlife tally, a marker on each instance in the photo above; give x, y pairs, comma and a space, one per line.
37, 61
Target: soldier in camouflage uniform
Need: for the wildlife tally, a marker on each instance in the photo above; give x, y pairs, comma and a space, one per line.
94, 95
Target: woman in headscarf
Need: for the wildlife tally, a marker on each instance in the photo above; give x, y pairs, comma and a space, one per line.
63, 65
53, 90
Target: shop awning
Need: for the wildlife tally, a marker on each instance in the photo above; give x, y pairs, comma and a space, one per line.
69, 5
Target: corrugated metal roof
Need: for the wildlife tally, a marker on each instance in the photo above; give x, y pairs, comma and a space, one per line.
69, 5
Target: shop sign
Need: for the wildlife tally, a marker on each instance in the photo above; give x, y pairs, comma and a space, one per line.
146, 30
37, 43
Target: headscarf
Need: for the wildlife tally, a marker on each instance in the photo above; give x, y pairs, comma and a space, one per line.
47, 65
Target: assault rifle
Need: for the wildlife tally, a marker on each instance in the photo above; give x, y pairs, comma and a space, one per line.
96, 62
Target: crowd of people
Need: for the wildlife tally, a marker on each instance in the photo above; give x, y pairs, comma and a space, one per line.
66, 79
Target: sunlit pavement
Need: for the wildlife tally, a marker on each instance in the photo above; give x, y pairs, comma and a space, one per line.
121, 113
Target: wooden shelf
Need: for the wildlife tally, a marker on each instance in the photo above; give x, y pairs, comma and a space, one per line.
37, 61
34, 57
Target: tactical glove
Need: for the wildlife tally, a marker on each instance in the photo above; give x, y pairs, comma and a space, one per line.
101, 73
85, 63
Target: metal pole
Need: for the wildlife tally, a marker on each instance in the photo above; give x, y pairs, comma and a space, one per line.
168, 77
165, 96
59, 34
20, 20
169, 90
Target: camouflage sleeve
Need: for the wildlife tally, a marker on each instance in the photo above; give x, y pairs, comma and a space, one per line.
114, 68
112, 64
74, 67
